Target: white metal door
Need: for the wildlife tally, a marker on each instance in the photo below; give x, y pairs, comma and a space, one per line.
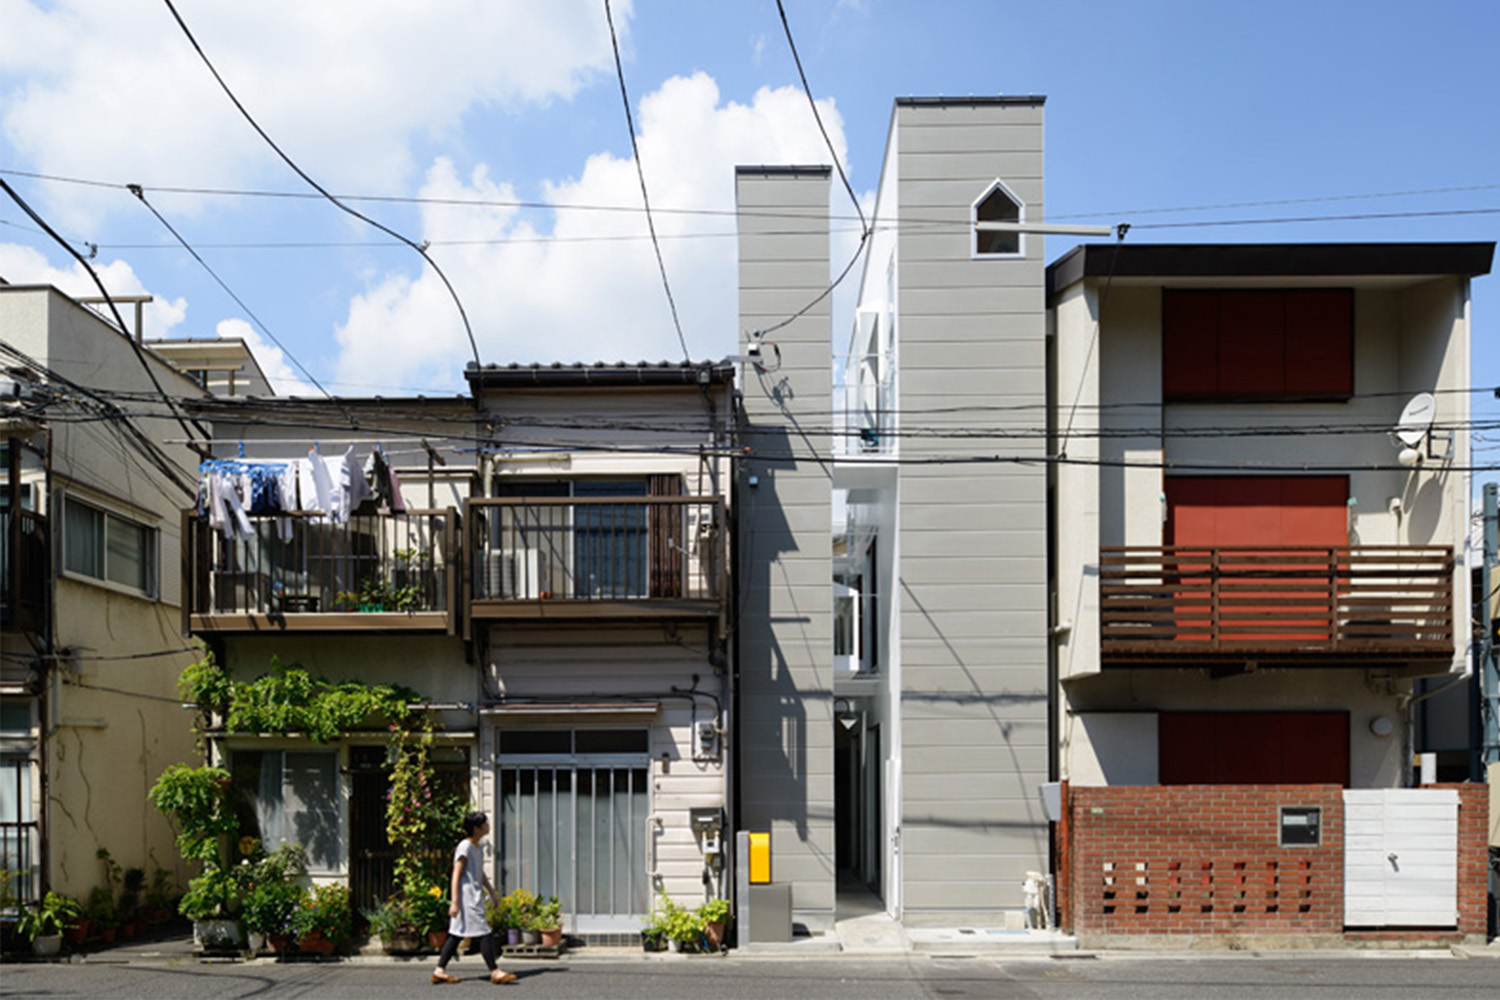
1400, 857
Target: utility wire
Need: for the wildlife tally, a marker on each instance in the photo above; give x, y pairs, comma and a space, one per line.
738, 213
119, 320
812, 103
640, 172
140, 193
1319, 218
469, 330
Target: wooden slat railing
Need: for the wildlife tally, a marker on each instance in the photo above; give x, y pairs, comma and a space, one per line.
1173, 601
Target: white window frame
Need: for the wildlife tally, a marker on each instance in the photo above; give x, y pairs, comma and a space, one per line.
974, 252
151, 552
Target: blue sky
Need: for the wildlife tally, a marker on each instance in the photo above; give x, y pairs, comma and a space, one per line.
1150, 105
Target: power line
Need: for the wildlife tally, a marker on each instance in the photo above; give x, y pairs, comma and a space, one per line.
141, 194
729, 213
640, 172
1319, 218
318, 187
837, 165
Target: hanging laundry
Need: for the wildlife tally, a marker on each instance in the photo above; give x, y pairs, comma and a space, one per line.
356, 489
398, 502
321, 482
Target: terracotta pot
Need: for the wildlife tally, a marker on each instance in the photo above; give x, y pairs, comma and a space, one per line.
76, 933
107, 934
552, 938
713, 933
127, 931
314, 943
436, 940
280, 943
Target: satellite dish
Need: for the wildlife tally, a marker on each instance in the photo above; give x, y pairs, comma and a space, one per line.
1416, 420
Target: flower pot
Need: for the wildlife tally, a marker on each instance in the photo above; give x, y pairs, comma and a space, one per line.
529, 936
127, 931
256, 942
713, 933
650, 942
403, 941
436, 940
210, 934
107, 934
512, 935
46, 945
76, 933
314, 943
552, 937
280, 943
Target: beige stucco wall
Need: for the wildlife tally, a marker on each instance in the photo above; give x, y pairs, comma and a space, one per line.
112, 720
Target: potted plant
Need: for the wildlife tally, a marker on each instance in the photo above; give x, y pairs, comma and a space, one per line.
430, 915
520, 904
43, 925
99, 913
197, 799
547, 918
129, 906
268, 910
346, 600
392, 922
159, 894
497, 915
323, 919
714, 915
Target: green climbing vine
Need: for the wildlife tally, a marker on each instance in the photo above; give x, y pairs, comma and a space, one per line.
288, 699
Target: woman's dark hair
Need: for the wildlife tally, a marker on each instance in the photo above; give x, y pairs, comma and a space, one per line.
474, 821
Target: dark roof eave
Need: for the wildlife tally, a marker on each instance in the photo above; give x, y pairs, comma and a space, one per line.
1266, 260
580, 376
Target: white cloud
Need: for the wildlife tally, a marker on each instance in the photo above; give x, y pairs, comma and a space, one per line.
273, 361
592, 292
345, 86
23, 265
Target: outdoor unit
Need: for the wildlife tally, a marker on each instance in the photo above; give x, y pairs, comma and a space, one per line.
511, 575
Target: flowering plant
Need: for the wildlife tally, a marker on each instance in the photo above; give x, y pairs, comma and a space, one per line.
429, 909
325, 910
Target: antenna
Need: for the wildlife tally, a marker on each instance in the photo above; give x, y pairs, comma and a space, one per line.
1413, 428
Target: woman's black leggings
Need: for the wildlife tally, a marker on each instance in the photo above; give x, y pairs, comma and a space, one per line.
450, 949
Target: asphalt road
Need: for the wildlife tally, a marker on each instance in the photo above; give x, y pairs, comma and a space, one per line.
915, 977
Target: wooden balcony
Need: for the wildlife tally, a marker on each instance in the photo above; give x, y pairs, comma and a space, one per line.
375, 573
596, 557
1327, 606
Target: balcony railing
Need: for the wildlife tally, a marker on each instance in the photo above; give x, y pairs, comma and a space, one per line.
1299, 603
376, 572
600, 556
23, 570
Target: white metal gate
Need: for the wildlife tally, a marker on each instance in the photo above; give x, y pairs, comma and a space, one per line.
1400, 857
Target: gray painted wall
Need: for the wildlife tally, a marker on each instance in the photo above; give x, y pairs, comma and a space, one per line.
785, 549
972, 587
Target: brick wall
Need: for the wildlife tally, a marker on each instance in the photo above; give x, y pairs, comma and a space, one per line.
1473, 856
1202, 860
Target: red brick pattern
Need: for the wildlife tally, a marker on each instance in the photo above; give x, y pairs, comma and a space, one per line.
1473, 855
1203, 860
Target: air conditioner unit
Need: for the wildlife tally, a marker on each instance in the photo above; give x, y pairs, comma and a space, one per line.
510, 576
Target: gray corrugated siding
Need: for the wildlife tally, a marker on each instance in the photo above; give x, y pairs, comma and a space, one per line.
973, 542
785, 647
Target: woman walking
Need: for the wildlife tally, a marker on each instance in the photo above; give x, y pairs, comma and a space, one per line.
468, 887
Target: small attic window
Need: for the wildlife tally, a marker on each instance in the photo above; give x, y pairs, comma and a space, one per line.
997, 205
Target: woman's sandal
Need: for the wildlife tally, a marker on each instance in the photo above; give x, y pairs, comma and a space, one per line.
501, 976
442, 977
